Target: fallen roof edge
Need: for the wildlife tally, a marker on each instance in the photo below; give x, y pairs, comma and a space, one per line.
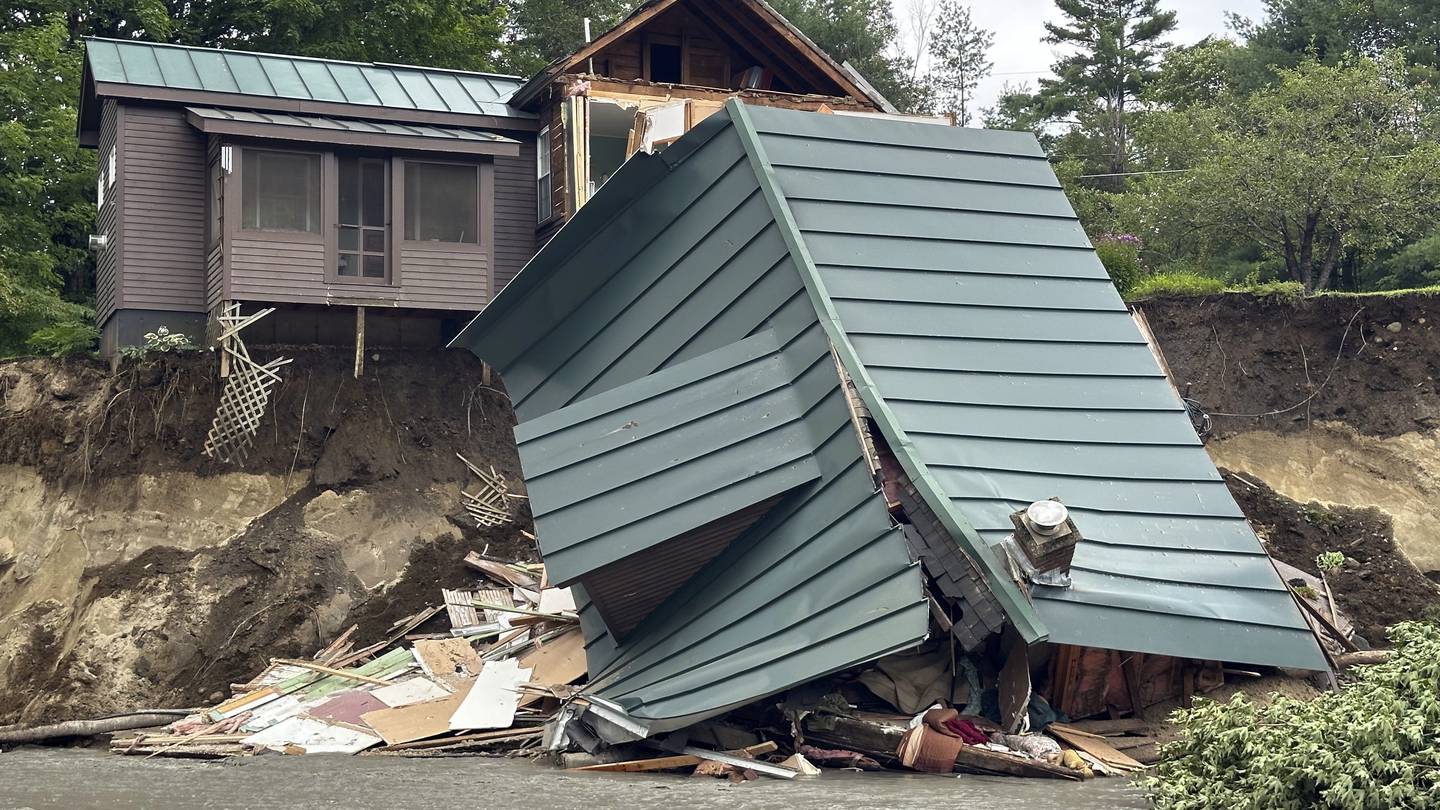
636, 176
1017, 605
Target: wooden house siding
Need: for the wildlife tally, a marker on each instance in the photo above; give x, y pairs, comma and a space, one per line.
108, 261
162, 197
514, 212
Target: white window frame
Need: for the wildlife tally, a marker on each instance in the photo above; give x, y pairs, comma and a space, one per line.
544, 180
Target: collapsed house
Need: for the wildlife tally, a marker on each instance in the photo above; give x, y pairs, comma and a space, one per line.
783, 387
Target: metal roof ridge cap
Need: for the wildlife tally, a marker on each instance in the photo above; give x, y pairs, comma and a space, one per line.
1019, 608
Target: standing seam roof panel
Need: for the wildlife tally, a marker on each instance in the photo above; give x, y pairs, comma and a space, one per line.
1135, 582
301, 78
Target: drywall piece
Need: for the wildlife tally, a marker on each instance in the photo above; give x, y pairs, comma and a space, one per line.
314, 736
493, 697
406, 693
557, 600
264, 717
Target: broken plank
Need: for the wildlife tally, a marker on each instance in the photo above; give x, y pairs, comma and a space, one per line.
484, 736
1093, 745
669, 762
1108, 728
557, 662
338, 673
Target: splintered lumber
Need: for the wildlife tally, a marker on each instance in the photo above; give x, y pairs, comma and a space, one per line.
672, 762
983, 760
492, 737
338, 673
1110, 728
501, 572
557, 662
1362, 658
1094, 745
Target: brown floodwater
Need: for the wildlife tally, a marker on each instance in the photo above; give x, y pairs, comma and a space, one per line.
82, 779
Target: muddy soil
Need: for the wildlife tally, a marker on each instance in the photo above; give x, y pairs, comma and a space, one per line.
118, 596
1376, 587
1271, 364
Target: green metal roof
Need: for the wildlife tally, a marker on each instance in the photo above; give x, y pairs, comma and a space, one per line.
210, 70
950, 275
319, 123
1003, 368
619, 472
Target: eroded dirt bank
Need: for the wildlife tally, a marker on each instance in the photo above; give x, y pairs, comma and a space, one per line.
1328, 411
134, 571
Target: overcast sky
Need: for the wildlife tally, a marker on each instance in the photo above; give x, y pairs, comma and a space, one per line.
1020, 55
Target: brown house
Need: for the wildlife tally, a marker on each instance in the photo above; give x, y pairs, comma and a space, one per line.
325, 188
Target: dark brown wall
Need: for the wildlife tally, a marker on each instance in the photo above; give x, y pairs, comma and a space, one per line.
514, 210
162, 187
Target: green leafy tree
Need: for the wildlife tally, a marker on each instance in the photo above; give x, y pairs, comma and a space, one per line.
1331, 159
863, 33
1113, 48
456, 34
541, 31
959, 54
47, 185
1330, 31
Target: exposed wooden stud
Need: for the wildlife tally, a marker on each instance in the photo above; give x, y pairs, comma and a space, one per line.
359, 341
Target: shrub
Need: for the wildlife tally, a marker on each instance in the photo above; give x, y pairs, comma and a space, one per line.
1180, 282
64, 339
162, 340
1120, 253
1376, 743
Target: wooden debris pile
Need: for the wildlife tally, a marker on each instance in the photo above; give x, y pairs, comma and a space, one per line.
512, 652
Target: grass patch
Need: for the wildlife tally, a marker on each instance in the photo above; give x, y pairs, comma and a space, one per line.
1182, 282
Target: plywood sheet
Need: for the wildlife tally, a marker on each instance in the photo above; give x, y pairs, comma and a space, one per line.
417, 721
557, 662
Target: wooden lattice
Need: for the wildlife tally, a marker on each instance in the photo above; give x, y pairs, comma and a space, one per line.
247, 389
490, 504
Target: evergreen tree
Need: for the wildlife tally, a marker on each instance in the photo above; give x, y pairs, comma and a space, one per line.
959, 50
863, 33
1115, 48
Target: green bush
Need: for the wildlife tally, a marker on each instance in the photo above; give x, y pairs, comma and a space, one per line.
1179, 282
1121, 256
1283, 290
1416, 265
1374, 744
64, 339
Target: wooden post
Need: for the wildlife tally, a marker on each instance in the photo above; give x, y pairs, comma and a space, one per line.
359, 341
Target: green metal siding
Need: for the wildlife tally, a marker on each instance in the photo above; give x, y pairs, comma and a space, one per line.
294, 77
991, 334
623, 471
672, 263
